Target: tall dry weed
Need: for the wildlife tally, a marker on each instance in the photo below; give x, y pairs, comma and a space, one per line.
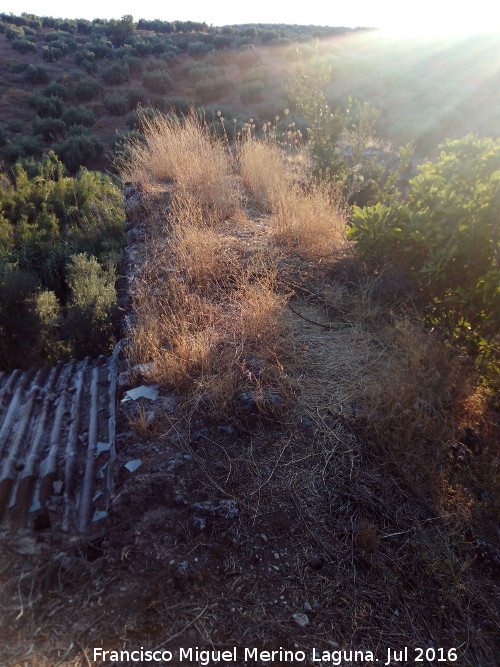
184, 151
305, 216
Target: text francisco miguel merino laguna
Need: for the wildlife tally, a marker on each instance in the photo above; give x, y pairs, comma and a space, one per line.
204, 657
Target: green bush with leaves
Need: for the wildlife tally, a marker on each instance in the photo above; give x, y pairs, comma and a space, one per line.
24, 46
86, 89
116, 104
77, 149
91, 309
46, 105
116, 74
78, 116
446, 238
36, 74
49, 128
45, 219
158, 81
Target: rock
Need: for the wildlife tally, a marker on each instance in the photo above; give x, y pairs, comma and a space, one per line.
306, 606
304, 422
302, 620
333, 644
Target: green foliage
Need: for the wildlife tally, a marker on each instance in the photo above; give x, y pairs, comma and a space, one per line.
24, 46
36, 74
46, 105
87, 89
122, 139
76, 150
44, 221
135, 96
116, 104
445, 237
49, 128
25, 146
198, 49
121, 30
54, 89
19, 322
116, 74
91, 308
157, 81
79, 116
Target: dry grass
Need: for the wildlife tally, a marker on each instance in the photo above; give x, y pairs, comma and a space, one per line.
183, 151
305, 216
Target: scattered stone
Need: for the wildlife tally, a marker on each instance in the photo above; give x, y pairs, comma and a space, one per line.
149, 392
302, 620
306, 606
333, 644
132, 465
305, 422
99, 515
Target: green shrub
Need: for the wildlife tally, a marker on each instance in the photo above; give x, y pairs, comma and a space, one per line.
444, 237
251, 92
74, 130
24, 147
87, 89
36, 74
76, 150
199, 49
79, 116
46, 106
135, 96
15, 67
84, 55
135, 118
134, 64
213, 89
55, 89
116, 104
92, 306
122, 140
49, 128
15, 125
24, 46
116, 74
19, 323
157, 81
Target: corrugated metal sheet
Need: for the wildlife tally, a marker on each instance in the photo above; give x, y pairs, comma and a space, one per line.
57, 445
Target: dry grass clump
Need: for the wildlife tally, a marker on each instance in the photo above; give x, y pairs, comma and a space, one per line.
311, 222
305, 216
263, 171
183, 150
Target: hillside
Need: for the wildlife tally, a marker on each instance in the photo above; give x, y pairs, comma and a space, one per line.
317, 472
100, 71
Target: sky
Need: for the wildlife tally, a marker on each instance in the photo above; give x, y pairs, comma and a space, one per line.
402, 17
